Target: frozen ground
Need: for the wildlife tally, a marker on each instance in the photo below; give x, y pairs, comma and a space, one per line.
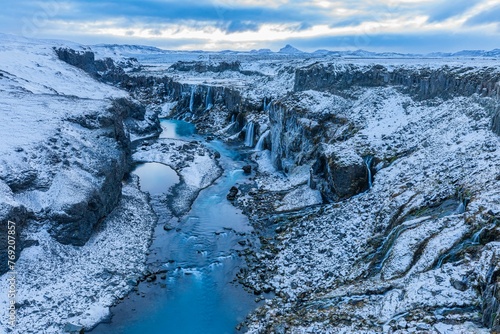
57, 149
60, 284
333, 271
416, 252
194, 163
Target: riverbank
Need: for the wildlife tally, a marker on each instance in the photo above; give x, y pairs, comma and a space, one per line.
195, 255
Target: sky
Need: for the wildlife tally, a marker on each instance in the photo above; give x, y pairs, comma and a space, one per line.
407, 26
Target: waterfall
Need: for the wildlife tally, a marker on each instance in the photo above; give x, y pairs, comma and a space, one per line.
460, 209
452, 253
260, 143
462, 206
266, 104
368, 162
233, 118
208, 99
191, 100
249, 135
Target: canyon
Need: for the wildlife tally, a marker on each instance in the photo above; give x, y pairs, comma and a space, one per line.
373, 193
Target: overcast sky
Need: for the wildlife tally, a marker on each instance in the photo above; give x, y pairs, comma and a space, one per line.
375, 25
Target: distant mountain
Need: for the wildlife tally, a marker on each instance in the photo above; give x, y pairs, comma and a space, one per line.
261, 51
290, 50
129, 48
116, 50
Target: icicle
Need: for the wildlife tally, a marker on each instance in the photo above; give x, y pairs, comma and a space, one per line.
260, 143
249, 135
368, 162
191, 100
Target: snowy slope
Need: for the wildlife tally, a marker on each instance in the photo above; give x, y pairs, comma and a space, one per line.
55, 151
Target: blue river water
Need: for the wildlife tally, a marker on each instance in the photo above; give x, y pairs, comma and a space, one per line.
198, 294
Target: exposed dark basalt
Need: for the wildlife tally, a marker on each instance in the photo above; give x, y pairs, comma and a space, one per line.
104, 69
423, 83
491, 305
296, 139
84, 60
201, 67
74, 219
74, 222
495, 126
85, 182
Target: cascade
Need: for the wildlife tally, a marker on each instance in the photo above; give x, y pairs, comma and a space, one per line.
460, 209
208, 99
249, 135
368, 162
191, 100
260, 143
267, 104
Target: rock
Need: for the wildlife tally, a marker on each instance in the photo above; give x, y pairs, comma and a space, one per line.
232, 193
73, 329
247, 169
345, 179
459, 285
495, 124
424, 84
423, 327
491, 306
216, 155
168, 227
84, 60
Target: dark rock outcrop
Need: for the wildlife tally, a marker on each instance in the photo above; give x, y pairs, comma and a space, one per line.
231, 196
299, 137
84, 60
495, 126
74, 218
345, 180
202, 67
247, 169
423, 83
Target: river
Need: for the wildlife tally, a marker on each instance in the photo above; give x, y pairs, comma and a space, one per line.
197, 292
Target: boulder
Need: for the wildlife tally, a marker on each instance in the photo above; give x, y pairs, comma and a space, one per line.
73, 329
247, 169
231, 196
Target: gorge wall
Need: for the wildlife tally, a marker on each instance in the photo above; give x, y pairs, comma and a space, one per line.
405, 157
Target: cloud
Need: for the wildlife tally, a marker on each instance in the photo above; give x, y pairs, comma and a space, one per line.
492, 15
178, 11
446, 9
238, 26
221, 24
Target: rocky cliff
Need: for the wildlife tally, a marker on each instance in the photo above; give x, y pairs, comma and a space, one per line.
376, 192
421, 82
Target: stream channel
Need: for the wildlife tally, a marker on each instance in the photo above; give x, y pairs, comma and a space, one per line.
195, 291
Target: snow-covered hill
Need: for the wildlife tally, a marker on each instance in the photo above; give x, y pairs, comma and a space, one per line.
62, 160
